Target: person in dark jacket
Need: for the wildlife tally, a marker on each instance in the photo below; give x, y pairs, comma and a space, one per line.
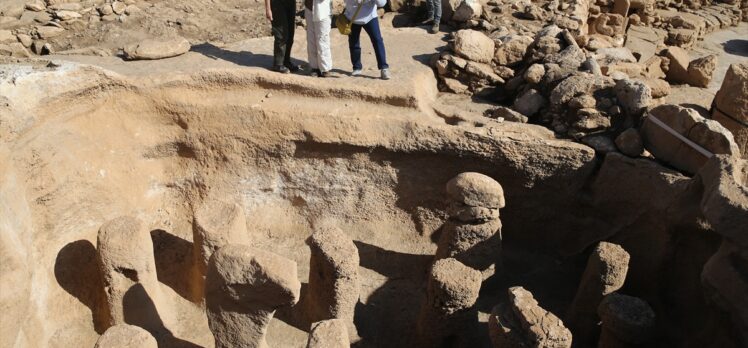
281, 14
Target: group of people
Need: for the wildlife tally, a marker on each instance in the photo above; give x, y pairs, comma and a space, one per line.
361, 13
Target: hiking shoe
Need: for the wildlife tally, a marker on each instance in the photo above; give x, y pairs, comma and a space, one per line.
324, 74
315, 73
427, 21
281, 69
293, 68
385, 74
434, 28
356, 72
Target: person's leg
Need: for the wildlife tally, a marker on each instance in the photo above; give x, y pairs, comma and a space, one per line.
354, 45
437, 4
290, 8
372, 28
279, 32
323, 50
312, 49
430, 7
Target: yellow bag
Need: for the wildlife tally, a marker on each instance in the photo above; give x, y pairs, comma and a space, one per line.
344, 24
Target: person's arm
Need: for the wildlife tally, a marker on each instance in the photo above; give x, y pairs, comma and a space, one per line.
268, 11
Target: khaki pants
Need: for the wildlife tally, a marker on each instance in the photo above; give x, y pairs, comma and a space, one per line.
318, 42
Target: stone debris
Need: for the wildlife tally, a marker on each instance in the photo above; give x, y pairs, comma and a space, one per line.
629, 142
215, 225
451, 293
244, 288
688, 123
157, 49
605, 273
331, 333
523, 323
626, 321
472, 235
333, 277
730, 107
126, 336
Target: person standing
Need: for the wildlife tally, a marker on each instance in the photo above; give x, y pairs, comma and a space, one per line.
367, 20
434, 15
281, 14
318, 23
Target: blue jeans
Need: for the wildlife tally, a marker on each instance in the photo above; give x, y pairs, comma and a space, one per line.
434, 10
354, 44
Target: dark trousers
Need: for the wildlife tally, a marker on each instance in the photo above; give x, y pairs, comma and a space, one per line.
284, 25
354, 44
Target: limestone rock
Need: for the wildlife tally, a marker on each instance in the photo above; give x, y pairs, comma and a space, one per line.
523, 323
530, 103
215, 225
701, 70
474, 45
6, 36
476, 190
678, 69
605, 273
126, 261
731, 105
467, 10
534, 73
626, 321
508, 115
660, 88
126, 336
333, 277
118, 7
634, 96
47, 32
243, 289
725, 200
67, 15
512, 49
629, 142
330, 333
36, 6
707, 134
451, 293
726, 283
156, 49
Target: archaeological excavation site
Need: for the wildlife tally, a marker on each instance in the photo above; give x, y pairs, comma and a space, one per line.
526, 174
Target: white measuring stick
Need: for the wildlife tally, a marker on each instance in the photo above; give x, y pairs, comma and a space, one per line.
680, 137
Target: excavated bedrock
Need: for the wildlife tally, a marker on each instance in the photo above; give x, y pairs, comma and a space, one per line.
81, 145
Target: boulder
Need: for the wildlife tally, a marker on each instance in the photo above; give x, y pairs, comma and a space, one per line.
725, 199
701, 70
706, 137
467, 10
476, 190
157, 49
47, 32
216, 224
626, 321
474, 45
530, 103
678, 68
725, 283
523, 323
126, 336
731, 105
508, 115
330, 333
534, 73
660, 88
605, 273
244, 288
633, 95
451, 292
333, 290
6, 36
629, 142
512, 49
128, 267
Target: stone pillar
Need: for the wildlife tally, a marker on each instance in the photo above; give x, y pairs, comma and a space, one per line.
133, 293
605, 273
215, 225
330, 333
472, 235
333, 277
450, 296
126, 336
244, 287
627, 322
523, 323
730, 106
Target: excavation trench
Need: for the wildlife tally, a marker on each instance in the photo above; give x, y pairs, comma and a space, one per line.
373, 164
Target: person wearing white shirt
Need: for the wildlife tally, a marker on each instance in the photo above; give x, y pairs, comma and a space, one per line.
367, 20
318, 23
